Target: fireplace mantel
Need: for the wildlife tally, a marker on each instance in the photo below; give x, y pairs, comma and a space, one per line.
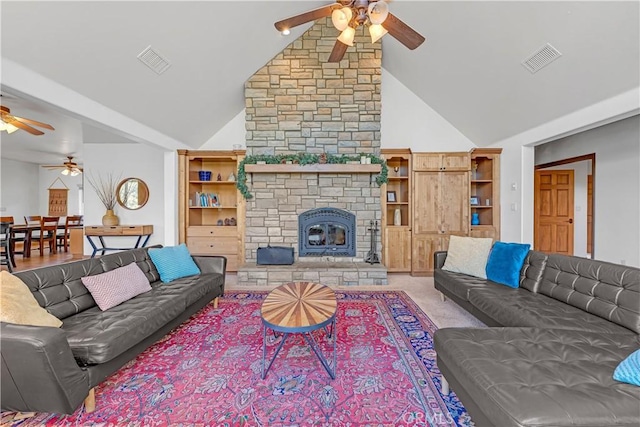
313, 168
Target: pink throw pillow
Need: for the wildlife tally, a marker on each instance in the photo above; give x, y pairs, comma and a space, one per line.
117, 286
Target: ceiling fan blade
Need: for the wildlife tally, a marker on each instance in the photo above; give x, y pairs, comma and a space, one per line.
33, 122
26, 127
338, 51
53, 166
312, 15
402, 32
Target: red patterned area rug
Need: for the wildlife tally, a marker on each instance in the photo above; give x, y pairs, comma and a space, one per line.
208, 372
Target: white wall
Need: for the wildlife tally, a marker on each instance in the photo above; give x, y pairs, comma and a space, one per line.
616, 185
19, 189
406, 121
125, 161
232, 133
580, 172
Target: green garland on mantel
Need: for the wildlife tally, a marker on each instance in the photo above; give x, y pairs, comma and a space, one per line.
304, 159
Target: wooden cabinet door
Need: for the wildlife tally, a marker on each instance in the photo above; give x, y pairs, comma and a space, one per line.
424, 246
456, 161
427, 162
454, 201
397, 253
427, 204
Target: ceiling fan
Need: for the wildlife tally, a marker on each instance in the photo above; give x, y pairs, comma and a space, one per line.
347, 15
68, 168
12, 123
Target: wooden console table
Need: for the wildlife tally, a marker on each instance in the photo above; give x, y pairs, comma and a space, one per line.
101, 231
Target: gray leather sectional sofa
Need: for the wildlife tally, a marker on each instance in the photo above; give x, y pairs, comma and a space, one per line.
47, 369
553, 344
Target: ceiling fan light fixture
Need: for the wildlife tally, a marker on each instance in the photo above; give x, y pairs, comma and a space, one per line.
75, 172
7, 127
65, 172
378, 12
341, 18
376, 31
347, 36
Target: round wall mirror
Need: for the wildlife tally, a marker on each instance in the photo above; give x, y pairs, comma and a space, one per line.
132, 193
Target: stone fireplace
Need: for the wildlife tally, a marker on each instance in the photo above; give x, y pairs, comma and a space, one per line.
300, 103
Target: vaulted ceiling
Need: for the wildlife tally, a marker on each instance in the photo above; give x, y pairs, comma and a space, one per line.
469, 69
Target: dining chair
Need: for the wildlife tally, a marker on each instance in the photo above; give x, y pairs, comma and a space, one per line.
48, 230
70, 221
34, 220
5, 237
15, 237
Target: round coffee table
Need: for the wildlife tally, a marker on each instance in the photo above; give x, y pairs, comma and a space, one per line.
300, 307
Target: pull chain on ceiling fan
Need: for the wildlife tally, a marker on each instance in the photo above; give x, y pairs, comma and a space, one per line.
68, 168
11, 123
347, 15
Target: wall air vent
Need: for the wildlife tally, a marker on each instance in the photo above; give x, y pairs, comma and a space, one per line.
154, 60
541, 58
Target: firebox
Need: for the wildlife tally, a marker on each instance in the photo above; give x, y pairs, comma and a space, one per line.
327, 231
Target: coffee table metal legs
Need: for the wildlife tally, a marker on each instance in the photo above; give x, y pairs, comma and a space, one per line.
312, 343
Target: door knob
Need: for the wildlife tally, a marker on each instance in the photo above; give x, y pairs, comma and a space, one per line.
570, 220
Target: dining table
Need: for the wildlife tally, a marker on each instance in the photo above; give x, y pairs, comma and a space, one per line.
28, 230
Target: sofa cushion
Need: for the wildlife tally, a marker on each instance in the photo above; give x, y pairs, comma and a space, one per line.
505, 262
628, 371
98, 336
173, 262
116, 286
521, 308
460, 284
19, 306
534, 377
607, 290
468, 255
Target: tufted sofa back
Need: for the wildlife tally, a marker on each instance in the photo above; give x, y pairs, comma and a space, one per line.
606, 290
139, 256
532, 270
58, 288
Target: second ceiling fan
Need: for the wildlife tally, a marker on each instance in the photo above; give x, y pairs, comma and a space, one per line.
347, 15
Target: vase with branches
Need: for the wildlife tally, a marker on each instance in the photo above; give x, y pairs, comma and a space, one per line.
105, 188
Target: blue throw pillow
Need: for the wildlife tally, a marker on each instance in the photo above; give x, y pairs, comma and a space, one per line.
628, 371
505, 262
173, 262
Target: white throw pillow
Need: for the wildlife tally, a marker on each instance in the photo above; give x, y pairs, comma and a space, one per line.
468, 255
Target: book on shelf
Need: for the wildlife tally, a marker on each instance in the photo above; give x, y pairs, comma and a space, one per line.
206, 200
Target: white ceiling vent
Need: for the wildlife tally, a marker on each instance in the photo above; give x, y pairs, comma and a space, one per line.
154, 60
541, 58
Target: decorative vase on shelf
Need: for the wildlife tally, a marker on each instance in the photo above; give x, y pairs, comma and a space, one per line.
397, 217
475, 219
110, 218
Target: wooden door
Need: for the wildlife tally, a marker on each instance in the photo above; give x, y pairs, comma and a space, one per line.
397, 249
427, 205
424, 246
454, 198
553, 215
